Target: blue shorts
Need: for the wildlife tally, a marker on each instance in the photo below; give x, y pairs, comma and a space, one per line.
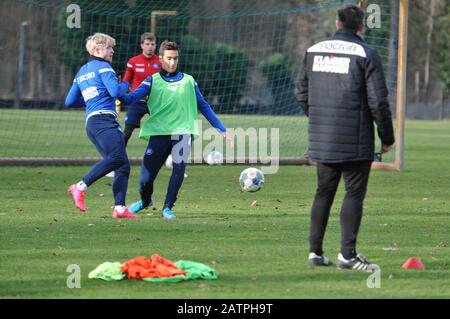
135, 113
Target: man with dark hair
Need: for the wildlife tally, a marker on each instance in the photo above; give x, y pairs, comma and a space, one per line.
174, 100
138, 68
342, 90
351, 17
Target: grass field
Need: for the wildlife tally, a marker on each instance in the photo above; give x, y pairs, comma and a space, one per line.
44, 133
259, 251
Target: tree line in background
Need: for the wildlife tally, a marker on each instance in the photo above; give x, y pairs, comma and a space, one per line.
429, 47
220, 68
221, 65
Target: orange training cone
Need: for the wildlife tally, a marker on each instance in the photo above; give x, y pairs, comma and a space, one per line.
413, 263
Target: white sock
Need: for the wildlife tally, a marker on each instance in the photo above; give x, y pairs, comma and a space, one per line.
81, 186
120, 209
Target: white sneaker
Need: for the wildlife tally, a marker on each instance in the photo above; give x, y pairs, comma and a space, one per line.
316, 260
358, 263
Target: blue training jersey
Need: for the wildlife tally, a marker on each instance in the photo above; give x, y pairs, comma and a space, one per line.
145, 88
96, 87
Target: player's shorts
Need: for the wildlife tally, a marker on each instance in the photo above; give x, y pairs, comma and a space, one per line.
135, 113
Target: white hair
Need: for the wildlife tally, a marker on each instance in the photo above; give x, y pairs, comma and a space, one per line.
99, 40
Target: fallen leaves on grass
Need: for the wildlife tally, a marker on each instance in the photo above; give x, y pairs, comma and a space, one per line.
59, 251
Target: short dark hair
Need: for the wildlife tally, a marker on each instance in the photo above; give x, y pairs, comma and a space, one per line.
148, 36
351, 17
167, 45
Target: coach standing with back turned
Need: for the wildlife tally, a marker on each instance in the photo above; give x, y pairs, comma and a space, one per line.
342, 90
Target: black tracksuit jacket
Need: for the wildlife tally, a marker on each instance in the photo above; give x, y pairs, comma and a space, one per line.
342, 88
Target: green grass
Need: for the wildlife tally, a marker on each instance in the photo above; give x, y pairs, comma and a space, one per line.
44, 133
259, 251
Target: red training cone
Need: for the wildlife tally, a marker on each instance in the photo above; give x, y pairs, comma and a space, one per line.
413, 263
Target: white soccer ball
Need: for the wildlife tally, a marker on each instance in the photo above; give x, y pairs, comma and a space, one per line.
169, 162
251, 179
214, 158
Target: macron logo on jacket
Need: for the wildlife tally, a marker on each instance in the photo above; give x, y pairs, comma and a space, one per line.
85, 77
331, 63
338, 47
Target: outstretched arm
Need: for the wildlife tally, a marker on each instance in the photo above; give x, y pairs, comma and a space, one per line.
142, 90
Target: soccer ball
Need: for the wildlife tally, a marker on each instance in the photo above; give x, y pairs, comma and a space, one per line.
214, 158
169, 162
251, 179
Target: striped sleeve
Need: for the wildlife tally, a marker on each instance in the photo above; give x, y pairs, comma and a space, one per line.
109, 79
129, 73
103, 70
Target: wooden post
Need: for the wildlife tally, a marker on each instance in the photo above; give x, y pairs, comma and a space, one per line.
401, 83
398, 164
156, 14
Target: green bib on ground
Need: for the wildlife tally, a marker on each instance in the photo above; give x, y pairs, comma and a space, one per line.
172, 106
193, 271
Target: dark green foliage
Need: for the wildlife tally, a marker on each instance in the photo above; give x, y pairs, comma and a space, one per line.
278, 71
199, 61
230, 75
220, 70
123, 22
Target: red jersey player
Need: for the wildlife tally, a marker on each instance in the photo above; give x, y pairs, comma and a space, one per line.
138, 68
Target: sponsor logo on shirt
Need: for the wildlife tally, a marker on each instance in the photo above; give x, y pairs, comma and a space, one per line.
331, 64
85, 77
89, 93
140, 69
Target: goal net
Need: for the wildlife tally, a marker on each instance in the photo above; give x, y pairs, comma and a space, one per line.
245, 56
